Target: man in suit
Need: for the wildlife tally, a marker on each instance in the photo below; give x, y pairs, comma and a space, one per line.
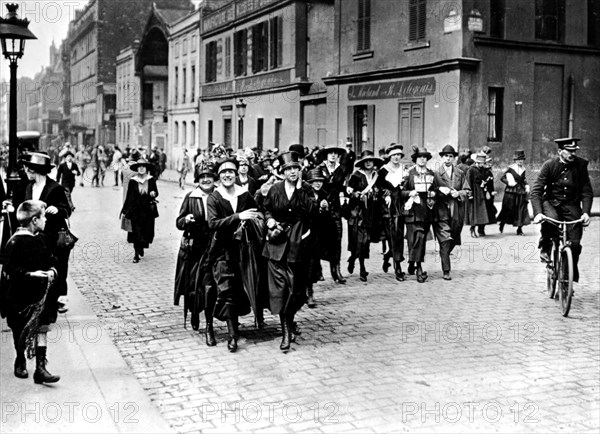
563, 191
67, 171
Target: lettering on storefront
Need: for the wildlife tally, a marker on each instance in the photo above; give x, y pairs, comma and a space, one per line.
266, 81
217, 89
218, 19
396, 89
246, 6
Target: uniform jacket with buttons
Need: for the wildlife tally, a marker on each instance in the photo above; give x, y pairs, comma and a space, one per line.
560, 183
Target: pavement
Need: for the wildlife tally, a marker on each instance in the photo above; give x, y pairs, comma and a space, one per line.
487, 351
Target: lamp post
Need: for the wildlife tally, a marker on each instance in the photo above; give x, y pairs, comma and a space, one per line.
241, 112
13, 33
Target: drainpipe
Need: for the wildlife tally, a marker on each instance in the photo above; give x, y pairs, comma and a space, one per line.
571, 104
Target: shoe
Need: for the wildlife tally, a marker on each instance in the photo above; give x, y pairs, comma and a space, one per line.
411, 268
446, 276
341, 279
209, 334
41, 375
311, 302
481, 232
21, 367
520, 231
285, 329
363, 276
386, 264
232, 344
473, 233
259, 323
421, 277
62, 308
136, 259
501, 227
351, 265
545, 256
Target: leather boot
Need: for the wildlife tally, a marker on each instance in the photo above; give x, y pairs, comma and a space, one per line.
411, 268
351, 261
341, 279
398, 271
285, 329
363, 271
334, 273
310, 302
232, 344
41, 375
21, 366
209, 333
386, 263
421, 275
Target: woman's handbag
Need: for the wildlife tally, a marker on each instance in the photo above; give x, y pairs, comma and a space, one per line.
187, 242
66, 239
154, 208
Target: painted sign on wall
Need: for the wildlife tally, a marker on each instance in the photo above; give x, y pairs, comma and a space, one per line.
396, 89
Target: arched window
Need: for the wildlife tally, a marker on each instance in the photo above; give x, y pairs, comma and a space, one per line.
184, 133
193, 133
176, 133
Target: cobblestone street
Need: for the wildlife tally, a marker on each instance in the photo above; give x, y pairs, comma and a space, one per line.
486, 351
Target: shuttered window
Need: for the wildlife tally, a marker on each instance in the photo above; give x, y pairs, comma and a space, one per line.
417, 14
410, 124
364, 25
260, 47
240, 52
550, 19
495, 109
275, 42
211, 62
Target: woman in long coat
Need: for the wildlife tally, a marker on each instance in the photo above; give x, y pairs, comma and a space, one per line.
288, 211
514, 203
228, 206
481, 184
140, 208
37, 166
194, 280
364, 215
390, 179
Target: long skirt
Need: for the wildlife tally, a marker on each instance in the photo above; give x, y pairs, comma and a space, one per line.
396, 237
359, 240
287, 286
514, 210
232, 300
417, 240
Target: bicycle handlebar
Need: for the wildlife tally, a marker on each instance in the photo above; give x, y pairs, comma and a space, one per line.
562, 223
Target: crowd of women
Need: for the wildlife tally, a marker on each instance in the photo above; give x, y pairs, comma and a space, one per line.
255, 230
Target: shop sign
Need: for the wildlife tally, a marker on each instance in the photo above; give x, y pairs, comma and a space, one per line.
217, 89
396, 89
265, 81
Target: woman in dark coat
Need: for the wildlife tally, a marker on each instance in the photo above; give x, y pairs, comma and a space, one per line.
364, 216
228, 206
140, 207
289, 211
194, 280
480, 210
335, 178
37, 166
390, 179
514, 203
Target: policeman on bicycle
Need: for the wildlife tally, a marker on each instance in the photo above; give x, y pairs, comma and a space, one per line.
563, 191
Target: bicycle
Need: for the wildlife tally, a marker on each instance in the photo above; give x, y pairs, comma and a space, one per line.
560, 268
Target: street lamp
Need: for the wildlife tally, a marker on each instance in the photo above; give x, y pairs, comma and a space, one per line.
13, 33
241, 112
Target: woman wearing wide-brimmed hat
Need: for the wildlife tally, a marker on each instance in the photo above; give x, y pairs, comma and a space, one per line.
37, 167
363, 217
391, 177
480, 208
335, 178
514, 203
423, 210
140, 207
194, 280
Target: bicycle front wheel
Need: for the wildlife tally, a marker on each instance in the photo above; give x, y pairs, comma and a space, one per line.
565, 280
551, 272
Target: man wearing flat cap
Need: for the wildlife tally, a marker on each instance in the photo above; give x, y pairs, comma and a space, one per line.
563, 191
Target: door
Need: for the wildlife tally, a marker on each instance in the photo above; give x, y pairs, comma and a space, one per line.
410, 124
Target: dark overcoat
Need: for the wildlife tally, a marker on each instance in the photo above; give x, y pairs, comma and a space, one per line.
457, 207
137, 208
480, 208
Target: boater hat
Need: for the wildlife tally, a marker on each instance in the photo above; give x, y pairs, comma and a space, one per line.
568, 143
38, 161
448, 149
141, 162
323, 153
367, 155
289, 159
394, 149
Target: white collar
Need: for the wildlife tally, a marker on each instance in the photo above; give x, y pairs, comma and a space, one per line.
198, 192
237, 191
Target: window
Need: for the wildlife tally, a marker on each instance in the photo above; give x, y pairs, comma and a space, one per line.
594, 23
147, 103
361, 126
184, 85
211, 61
278, 123
260, 124
550, 19
417, 14
260, 47
183, 133
276, 42
495, 110
228, 57
194, 42
193, 133
176, 90
210, 131
364, 25
240, 133
193, 84
176, 132
497, 11
240, 49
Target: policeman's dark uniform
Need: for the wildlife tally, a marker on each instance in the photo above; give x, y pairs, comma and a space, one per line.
563, 191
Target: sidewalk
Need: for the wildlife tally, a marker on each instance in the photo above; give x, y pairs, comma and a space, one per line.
171, 175
97, 391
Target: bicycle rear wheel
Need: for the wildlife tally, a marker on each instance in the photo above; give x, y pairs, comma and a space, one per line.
565, 280
551, 271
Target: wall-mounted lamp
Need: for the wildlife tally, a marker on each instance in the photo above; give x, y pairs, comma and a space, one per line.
241, 108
